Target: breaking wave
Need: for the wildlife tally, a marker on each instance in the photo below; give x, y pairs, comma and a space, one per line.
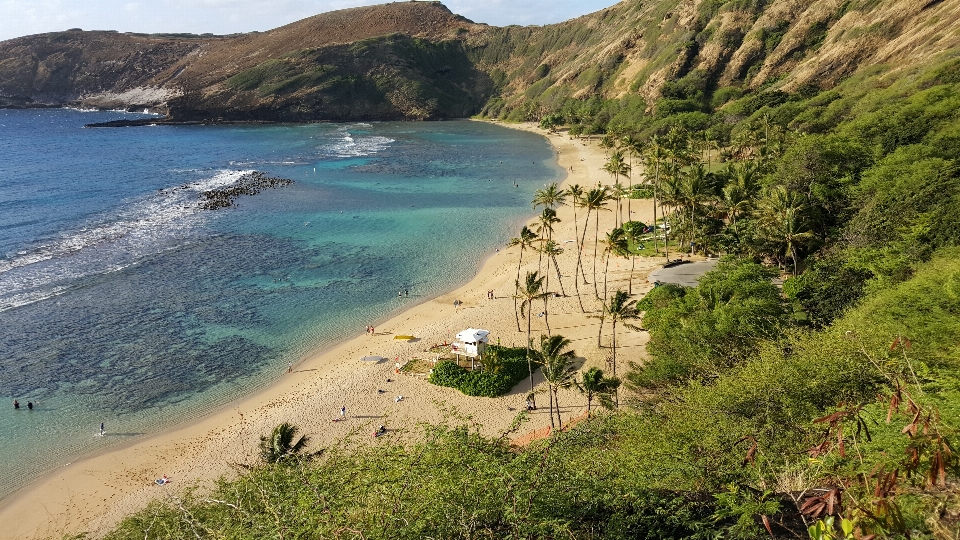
108, 242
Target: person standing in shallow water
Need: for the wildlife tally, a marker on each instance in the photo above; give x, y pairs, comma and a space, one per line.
30, 405
16, 404
102, 430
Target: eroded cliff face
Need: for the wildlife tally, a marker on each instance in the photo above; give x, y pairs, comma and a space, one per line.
65, 67
417, 60
636, 46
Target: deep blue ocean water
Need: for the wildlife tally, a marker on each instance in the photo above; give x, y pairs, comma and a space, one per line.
123, 302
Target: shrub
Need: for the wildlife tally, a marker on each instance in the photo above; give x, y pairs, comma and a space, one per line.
504, 368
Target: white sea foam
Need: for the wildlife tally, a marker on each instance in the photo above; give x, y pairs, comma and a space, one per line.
107, 243
347, 146
22, 299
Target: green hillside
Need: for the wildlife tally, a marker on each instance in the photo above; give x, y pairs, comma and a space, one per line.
831, 406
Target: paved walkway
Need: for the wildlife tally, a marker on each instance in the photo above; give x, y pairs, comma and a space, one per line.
687, 274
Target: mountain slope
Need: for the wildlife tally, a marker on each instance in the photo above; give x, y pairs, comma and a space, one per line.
306, 70
635, 47
417, 60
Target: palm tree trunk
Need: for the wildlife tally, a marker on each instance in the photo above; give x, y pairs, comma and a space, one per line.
589, 402
596, 242
516, 308
583, 240
560, 281
599, 333
550, 394
533, 397
656, 181
633, 261
576, 271
540, 258
546, 314
556, 398
620, 209
793, 255
616, 396
606, 272
666, 240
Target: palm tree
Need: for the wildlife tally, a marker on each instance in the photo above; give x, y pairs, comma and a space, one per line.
531, 290
550, 196
545, 222
557, 366
699, 188
656, 153
551, 249
619, 309
618, 192
616, 166
279, 445
739, 194
594, 200
634, 147
615, 244
633, 232
576, 197
525, 240
783, 223
595, 386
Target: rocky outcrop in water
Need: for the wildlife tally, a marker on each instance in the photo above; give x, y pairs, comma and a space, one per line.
249, 184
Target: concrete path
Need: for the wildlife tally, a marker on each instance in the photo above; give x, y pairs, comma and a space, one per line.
687, 274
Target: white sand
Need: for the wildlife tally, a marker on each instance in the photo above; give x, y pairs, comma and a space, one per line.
94, 493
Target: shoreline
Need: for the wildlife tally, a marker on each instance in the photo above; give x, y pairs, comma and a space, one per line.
94, 492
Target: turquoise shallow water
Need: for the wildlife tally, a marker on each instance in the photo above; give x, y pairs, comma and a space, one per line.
122, 302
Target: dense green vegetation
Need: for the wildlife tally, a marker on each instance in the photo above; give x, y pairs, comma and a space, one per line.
394, 76
502, 369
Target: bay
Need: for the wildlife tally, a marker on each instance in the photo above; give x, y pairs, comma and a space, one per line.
123, 302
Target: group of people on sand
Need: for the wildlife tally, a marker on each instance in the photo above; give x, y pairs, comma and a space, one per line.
16, 405
370, 330
490, 295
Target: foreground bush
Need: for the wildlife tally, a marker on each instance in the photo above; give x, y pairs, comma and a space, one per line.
452, 483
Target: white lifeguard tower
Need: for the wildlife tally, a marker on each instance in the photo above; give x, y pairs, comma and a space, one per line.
471, 343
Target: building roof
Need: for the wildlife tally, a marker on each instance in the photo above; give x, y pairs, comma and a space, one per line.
473, 335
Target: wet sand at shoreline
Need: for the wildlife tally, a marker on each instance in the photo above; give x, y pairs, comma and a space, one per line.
94, 493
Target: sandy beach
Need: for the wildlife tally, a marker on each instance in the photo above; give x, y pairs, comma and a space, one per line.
93, 494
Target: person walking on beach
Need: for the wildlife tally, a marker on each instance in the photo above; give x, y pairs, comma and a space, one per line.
102, 429
343, 412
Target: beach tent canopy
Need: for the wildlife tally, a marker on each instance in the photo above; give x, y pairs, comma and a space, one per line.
473, 335
372, 359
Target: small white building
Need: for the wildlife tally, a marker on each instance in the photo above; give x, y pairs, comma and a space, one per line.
471, 343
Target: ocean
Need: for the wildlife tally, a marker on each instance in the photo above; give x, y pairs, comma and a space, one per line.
123, 301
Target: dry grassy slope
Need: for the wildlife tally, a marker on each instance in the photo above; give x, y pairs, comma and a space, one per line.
60, 67
220, 60
637, 45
